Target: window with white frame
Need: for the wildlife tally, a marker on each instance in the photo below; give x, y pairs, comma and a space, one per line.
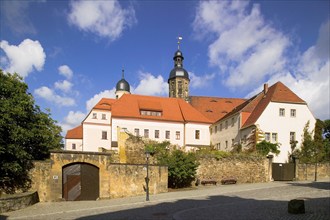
267, 136
73, 146
216, 129
197, 134
104, 135
226, 124
221, 127
293, 112
232, 122
274, 137
292, 136
167, 134
104, 116
146, 133
156, 133
94, 116
282, 112
137, 132
177, 135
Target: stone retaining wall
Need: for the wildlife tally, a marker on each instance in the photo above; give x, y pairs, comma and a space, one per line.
307, 171
18, 201
116, 179
245, 170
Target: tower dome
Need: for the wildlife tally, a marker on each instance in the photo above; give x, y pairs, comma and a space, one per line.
122, 87
178, 70
179, 78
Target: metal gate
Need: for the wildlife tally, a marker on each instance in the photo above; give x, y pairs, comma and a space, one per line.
283, 171
80, 182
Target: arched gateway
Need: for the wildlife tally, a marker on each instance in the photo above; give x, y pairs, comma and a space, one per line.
80, 182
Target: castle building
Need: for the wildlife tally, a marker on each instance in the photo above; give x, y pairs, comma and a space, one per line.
192, 122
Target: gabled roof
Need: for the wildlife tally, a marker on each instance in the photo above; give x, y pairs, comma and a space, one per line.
276, 93
75, 133
215, 108
172, 109
104, 104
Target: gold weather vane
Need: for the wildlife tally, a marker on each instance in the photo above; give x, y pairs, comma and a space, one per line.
179, 41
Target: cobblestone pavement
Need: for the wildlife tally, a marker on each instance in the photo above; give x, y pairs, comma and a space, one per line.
241, 201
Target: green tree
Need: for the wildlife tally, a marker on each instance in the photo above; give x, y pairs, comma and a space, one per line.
307, 151
26, 133
326, 131
182, 167
318, 141
265, 147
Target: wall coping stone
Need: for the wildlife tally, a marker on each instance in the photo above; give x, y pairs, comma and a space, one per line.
80, 152
12, 202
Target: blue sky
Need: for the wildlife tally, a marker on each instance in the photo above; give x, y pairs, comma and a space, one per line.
71, 53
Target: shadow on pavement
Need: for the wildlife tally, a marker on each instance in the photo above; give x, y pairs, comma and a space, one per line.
221, 207
317, 185
250, 204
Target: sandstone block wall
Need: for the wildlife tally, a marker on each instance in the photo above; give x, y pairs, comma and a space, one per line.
307, 171
246, 171
15, 202
129, 180
116, 180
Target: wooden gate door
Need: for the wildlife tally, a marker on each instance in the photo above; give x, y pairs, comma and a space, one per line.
80, 182
283, 171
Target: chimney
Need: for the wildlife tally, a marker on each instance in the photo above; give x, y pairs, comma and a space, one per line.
265, 88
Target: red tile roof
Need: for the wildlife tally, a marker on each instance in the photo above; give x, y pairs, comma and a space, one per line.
75, 133
276, 93
215, 108
104, 104
172, 109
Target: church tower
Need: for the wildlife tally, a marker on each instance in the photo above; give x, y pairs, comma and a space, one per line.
122, 87
179, 78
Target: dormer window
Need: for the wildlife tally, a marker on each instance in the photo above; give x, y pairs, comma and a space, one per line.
150, 113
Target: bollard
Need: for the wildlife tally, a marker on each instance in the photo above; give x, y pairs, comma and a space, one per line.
296, 206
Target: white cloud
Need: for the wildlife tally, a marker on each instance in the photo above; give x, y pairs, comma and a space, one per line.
16, 16
151, 85
245, 48
49, 95
104, 18
64, 86
310, 80
28, 56
248, 51
72, 120
65, 71
96, 98
200, 81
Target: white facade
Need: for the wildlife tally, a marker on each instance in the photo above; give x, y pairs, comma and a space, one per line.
97, 130
166, 130
74, 144
197, 134
225, 133
272, 123
275, 127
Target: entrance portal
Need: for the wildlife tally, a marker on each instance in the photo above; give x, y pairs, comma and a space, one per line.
80, 182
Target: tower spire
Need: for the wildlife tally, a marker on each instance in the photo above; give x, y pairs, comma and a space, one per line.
179, 41
122, 73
